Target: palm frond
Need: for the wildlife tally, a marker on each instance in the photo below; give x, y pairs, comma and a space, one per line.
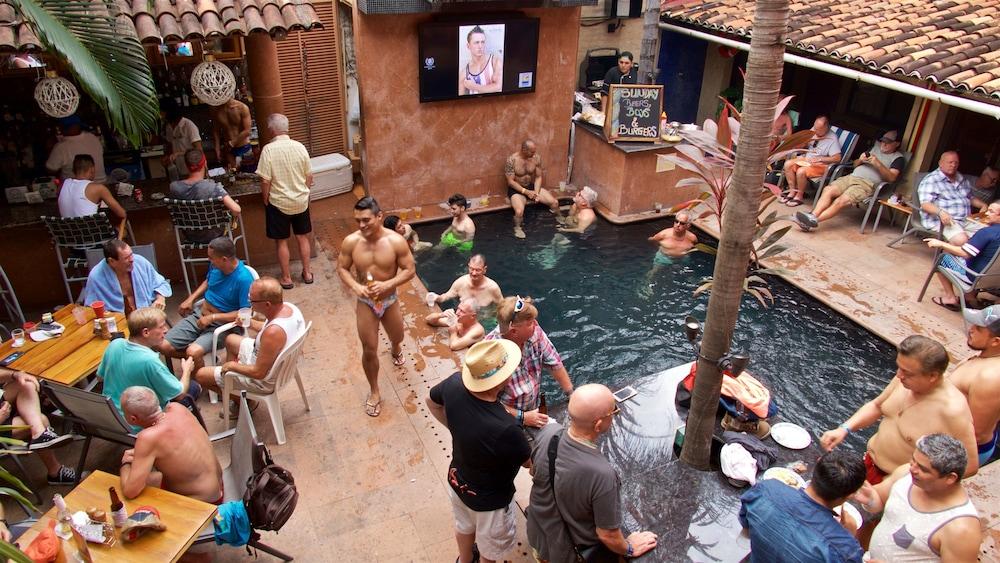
101, 49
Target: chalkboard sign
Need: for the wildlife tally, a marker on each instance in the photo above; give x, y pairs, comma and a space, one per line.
633, 112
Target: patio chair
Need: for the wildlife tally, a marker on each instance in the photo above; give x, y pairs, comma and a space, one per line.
74, 236
848, 141
247, 455
988, 279
881, 189
284, 369
202, 216
914, 223
9, 302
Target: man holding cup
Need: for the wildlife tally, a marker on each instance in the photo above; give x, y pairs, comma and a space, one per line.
251, 359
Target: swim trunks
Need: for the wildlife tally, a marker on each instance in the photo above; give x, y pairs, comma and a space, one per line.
986, 450
241, 151
662, 259
449, 240
873, 474
382, 306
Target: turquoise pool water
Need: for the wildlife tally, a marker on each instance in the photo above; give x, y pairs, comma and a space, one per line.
615, 318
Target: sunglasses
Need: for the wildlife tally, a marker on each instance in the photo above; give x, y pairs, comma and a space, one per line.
613, 413
813, 144
682, 223
518, 307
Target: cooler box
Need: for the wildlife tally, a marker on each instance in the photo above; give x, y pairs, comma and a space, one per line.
332, 175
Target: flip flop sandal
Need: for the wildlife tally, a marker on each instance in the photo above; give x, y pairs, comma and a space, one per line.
792, 202
398, 360
373, 409
289, 285
308, 280
950, 306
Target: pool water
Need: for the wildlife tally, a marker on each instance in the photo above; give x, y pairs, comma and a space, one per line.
615, 318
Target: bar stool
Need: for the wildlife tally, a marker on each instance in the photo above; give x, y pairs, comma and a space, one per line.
76, 235
196, 222
9, 301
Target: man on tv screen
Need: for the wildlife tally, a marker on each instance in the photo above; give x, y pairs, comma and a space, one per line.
482, 71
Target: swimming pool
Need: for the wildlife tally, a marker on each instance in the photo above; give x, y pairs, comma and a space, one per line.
614, 318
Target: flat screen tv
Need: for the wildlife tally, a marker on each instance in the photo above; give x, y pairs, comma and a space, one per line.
489, 56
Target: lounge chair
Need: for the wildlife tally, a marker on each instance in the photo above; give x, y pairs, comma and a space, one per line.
881, 189
988, 280
848, 141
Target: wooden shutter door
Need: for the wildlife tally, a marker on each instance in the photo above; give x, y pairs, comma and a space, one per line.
312, 84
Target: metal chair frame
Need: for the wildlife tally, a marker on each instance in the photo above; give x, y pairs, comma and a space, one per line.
988, 279
8, 299
76, 235
202, 215
848, 141
881, 188
914, 223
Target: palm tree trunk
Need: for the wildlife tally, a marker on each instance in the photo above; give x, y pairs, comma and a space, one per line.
650, 42
760, 96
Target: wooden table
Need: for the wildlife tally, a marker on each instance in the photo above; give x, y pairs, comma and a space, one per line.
900, 207
68, 358
183, 516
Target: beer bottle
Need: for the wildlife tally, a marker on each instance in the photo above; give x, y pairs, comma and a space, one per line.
542, 409
118, 514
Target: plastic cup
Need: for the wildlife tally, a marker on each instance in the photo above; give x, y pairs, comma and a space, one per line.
484, 201
562, 186
431, 298
18, 335
80, 314
404, 213
658, 206
98, 307
243, 316
417, 212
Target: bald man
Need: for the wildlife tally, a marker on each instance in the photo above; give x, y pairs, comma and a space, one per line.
524, 183
172, 451
587, 485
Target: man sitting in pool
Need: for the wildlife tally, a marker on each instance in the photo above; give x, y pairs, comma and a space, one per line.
675, 241
464, 328
581, 215
524, 183
394, 223
917, 402
517, 322
462, 230
474, 285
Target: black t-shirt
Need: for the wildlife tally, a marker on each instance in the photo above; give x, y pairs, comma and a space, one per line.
615, 76
488, 446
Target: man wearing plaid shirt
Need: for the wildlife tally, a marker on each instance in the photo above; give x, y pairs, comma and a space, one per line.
944, 199
517, 322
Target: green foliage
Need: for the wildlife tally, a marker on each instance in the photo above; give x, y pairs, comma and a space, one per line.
101, 50
16, 490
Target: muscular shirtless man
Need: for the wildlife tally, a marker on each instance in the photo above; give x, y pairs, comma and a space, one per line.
232, 130
524, 182
382, 261
172, 451
918, 401
675, 241
474, 285
462, 230
484, 72
978, 378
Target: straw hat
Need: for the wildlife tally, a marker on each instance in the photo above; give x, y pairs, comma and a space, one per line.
489, 363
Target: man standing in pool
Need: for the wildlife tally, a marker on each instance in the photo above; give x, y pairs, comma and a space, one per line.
524, 183
382, 261
517, 322
918, 401
978, 378
462, 230
474, 285
675, 241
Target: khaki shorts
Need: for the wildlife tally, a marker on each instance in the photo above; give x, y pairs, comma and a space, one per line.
854, 189
494, 530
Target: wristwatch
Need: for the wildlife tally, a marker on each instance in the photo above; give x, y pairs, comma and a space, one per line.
629, 552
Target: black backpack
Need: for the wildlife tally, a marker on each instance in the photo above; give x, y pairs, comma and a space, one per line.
271, 495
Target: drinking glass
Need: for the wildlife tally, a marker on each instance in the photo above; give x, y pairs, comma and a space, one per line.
485, 200
80, 314
562, 186
404, 213
417, 212
18, 335
658, 206
243, 316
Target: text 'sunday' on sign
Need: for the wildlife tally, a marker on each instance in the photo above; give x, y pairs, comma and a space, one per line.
633, 112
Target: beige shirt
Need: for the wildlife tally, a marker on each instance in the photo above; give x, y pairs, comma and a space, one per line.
62, 155
183, 137
285, 163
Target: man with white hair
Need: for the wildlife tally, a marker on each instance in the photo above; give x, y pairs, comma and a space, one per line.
675, 241
286, 177
581, 215
172, 451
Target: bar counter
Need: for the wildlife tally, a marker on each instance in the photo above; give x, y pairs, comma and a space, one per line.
28, 254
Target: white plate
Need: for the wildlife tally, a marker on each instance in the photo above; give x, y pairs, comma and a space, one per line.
851, 511
790, 435
785, 475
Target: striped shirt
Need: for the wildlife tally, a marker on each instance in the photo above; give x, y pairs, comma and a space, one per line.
525, 387
285, 163
951, 197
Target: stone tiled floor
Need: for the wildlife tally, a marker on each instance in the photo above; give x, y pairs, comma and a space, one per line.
374, 489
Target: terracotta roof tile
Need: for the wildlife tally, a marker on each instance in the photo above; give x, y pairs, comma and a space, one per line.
952, 43
175, 20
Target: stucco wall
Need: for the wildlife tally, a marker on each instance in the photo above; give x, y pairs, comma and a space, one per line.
417, 154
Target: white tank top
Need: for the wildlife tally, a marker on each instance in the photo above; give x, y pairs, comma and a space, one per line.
73, 200
904, 533
293, 326
485, 76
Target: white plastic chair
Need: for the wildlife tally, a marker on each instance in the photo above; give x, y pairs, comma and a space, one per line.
285, 367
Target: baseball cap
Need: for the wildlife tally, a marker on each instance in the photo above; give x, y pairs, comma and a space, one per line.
70, 120
891, 135
988, 318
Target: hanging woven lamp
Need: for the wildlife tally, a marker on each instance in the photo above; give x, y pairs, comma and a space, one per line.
56, 95
213, 82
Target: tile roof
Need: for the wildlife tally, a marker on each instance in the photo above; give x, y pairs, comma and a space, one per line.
180, 20
952, 43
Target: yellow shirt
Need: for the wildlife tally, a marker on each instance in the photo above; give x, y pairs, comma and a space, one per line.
285, 163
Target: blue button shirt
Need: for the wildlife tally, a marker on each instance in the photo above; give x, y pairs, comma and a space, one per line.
787, 526
229, 293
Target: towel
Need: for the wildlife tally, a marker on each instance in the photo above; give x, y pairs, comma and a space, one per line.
748, 391
102, 285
